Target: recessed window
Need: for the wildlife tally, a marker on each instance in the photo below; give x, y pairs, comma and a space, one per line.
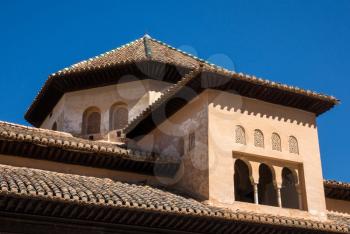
54, 126
191, 141
118, 116
91, 121
181, 146
240, 135
293, 145
258, 138
276, 142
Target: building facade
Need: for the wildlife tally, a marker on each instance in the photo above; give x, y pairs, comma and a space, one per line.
146, 138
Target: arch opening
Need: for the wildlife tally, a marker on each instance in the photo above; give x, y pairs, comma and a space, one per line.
244, 190
276, 142
293, 145
240, 135
289, 194
118, 116
266, 188
91, 121
258, 138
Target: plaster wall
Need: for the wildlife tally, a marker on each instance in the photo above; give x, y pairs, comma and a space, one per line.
192, 176
227, 110
136, 94
339, 206
56, 115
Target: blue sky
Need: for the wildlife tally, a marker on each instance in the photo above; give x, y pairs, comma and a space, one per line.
297, 42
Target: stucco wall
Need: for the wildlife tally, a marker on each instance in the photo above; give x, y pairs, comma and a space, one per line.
227, 110
56, 115
193, 175
339, 206
136, 94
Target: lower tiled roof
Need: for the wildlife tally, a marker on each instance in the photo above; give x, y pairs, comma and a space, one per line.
337, 189
339, 218
34, 191
51, 145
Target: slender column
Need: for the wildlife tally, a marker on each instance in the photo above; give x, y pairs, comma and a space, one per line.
256, 195
255, 180
279, 199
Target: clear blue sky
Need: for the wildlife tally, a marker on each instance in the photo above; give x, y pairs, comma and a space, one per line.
297, 42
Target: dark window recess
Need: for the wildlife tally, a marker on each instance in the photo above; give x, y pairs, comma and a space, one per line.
181, 146
54, 126
191, 141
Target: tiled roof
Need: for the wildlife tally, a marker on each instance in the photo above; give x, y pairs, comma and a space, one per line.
21, 184
337, 190
23, 141
339, 218
145, 49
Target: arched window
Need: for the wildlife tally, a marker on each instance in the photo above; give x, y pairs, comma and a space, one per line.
240, 135
258, 138
289, 195
118, 116
293, 145
244, 190
266, 188
54, 126
91, 121
276, 142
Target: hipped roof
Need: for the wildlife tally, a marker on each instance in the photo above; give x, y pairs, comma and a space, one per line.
148, 58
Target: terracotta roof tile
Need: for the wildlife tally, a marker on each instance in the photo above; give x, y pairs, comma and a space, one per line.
147, 49
337, 189
52, 145
59, 187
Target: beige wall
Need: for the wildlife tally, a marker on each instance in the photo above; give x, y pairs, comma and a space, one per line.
226, 110
339, 206
193, 175
215, 169
56, 115
136, 94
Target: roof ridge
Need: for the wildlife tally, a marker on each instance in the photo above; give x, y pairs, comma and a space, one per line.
97, 56
148, 50
190, 55
214, 67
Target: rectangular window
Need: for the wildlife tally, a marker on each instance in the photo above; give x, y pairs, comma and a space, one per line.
191, 141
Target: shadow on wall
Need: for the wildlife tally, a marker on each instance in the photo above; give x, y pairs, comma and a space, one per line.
231, 101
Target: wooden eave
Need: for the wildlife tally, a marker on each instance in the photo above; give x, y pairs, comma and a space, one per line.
181, 93
21, 209
56, 86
